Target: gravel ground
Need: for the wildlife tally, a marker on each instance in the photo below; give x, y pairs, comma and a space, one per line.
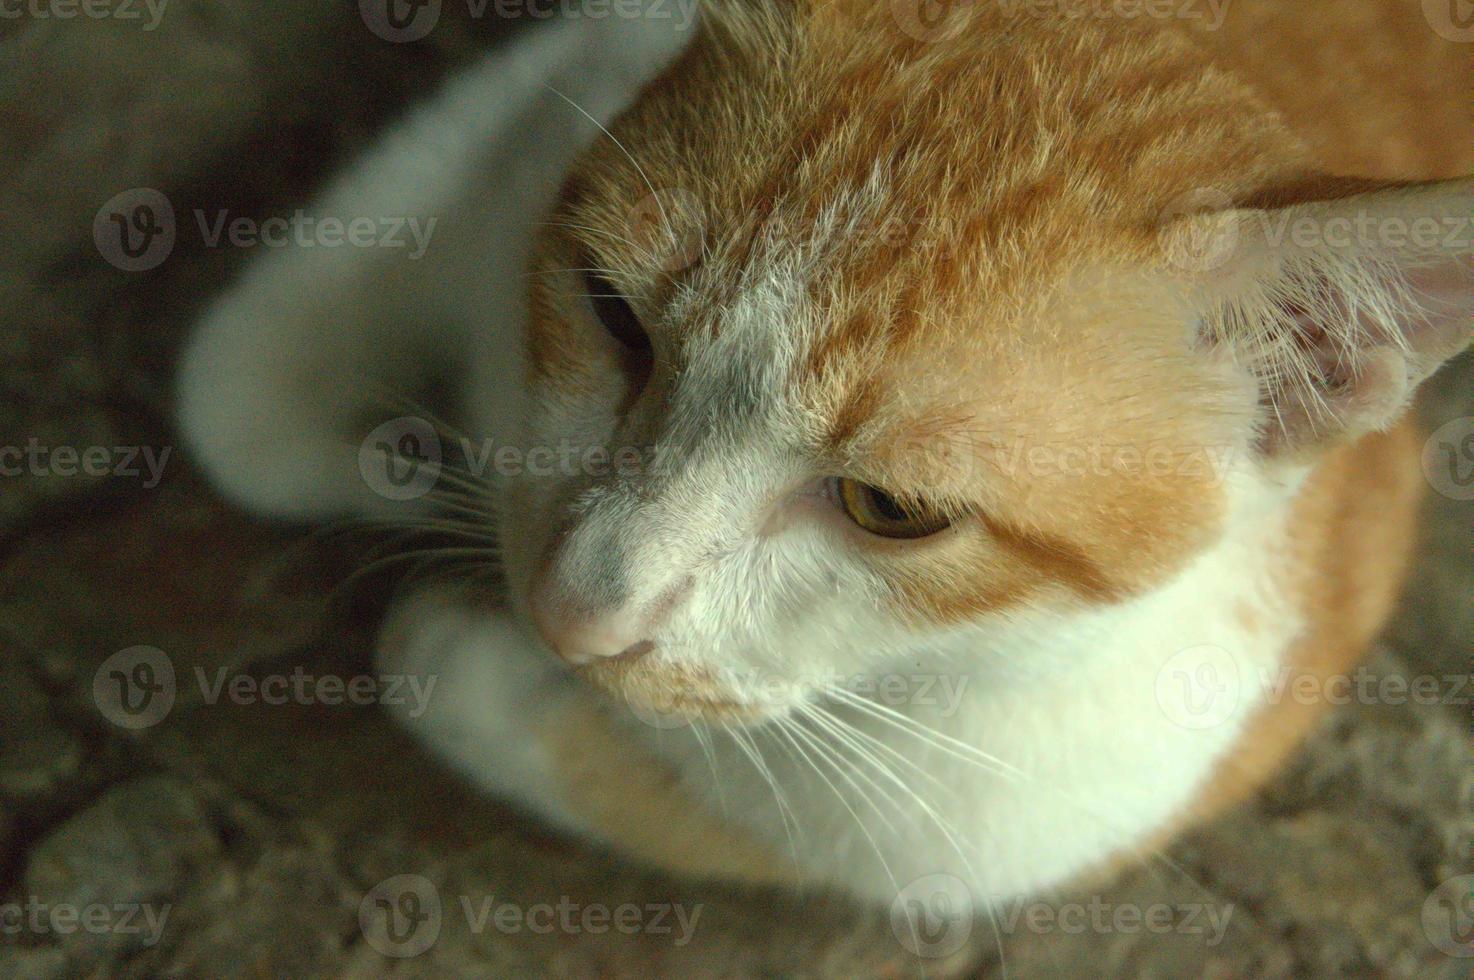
227, 836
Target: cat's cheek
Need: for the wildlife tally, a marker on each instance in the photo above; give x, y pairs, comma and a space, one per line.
811, 507
958, 576
530, 527
577, 400
939, 579
571, 363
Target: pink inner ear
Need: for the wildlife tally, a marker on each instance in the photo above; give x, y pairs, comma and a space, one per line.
1354, 366
1447, 285
1444, 323
1331, 350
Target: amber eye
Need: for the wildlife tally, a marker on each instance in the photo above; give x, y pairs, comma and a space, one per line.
880, 513
615, 313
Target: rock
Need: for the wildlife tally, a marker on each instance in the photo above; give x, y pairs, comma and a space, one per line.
117, 868
261, 829
36, 755
283, 915
254, 599
45, 963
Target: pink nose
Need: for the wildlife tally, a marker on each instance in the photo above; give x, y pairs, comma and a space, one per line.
585, 637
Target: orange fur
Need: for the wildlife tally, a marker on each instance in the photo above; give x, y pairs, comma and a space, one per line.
685, 840
1355, 525
1017, 155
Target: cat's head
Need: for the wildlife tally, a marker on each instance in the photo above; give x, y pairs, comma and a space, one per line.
853, 341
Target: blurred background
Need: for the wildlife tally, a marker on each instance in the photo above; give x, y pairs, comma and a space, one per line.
227, 835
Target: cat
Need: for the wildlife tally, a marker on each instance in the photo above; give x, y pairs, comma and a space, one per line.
912, 446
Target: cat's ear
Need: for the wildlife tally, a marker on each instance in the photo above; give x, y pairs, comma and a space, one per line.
1339, 307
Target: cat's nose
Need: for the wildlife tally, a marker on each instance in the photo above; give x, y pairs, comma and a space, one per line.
586, 637
584, 640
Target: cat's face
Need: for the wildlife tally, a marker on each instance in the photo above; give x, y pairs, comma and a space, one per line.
880, 352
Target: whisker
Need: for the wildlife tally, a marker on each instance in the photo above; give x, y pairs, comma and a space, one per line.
966, 753
644, 253
787, 729
669, 227
749, 747
938, 740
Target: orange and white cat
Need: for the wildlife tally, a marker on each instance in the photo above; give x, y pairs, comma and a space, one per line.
950, 429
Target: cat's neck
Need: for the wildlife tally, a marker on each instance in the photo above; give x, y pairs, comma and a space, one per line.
1126, 707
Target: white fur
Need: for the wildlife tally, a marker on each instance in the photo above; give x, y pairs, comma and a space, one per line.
491, 674
1090, 752
293, 357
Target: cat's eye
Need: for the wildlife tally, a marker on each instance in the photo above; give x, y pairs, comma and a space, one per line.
880, 513
615, 313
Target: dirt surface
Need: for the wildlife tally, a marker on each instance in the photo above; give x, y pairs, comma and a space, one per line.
231, 836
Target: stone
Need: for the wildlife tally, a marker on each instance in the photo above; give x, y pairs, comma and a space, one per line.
37, 756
